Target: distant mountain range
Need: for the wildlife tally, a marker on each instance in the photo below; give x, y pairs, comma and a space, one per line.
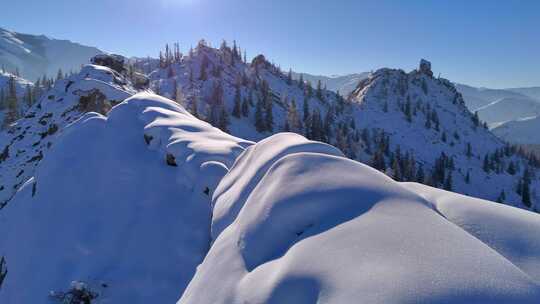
34, 56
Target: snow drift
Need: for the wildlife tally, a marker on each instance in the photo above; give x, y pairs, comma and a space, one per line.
152, 205
319, 228
106, 208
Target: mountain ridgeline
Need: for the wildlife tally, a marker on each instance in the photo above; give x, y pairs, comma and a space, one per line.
412, 126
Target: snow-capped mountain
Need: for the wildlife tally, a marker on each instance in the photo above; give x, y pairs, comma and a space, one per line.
151, 204
344, 84
35, 56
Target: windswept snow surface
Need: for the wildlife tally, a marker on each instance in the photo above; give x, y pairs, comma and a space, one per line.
106, 207
23, 145
152, 205
315, 227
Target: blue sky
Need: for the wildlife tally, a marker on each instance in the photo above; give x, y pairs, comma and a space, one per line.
482, 43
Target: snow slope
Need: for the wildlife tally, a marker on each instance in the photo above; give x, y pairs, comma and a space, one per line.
119, 200
151, 204
383, 100
36, 56
319, 228
95, 88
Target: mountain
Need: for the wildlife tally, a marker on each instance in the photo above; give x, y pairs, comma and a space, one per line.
35, 56
151, 204
343, 84
507, 109
533, 92
386, 122
520, 131
495, 106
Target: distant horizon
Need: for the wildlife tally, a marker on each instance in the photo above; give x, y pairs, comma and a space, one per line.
482, 44
284, 70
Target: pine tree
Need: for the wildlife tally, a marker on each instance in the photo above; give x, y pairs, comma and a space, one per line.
469, 150
420, 176
448, 182
245, 107
319, 93
204, 65
12, 105
259, 118
476, 119
511, 168
467, 178
193, 107
408, 112
237, 109
502, 197
223, 122
396, 170
268, 106
486, 165
289, 77
59, 75
306, 110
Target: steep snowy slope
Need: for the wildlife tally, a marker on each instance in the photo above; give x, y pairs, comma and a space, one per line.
119, 202
520, 131
95, 88
35, 56
314, 227
425, 118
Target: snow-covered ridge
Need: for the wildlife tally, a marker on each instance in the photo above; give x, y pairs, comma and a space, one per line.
24, 144
319, 228
151, 204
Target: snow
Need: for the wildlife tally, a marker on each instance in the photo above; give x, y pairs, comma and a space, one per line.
519, 131
151, 204
31, 137
105, 207
319, 228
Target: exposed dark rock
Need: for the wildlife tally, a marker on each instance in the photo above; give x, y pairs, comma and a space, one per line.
425, 67
113, 61
171, 161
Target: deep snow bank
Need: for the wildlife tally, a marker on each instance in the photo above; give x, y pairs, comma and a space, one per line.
106, 207
313, 227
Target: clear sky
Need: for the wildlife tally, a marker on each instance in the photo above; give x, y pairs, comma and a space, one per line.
483, 43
